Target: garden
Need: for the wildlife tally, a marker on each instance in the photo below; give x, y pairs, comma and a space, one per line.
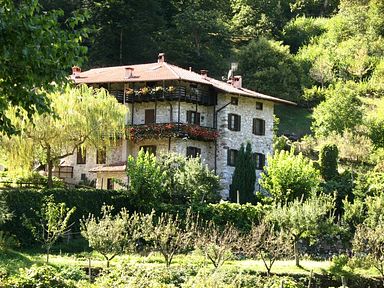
172, 230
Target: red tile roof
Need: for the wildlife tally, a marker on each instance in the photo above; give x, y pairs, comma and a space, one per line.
164, 71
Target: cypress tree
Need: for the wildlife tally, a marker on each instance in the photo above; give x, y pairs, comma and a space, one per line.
328, 161
244, 176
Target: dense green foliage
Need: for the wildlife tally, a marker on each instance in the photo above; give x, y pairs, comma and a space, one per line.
23, 204
328, 161
244, 176
289, 176
170, 179
37, 52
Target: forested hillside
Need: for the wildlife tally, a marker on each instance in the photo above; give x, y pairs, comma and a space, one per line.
301, 50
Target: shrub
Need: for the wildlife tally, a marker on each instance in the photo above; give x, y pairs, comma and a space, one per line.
328, 161
288, 177
38, 277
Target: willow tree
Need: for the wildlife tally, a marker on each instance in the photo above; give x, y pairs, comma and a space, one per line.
84, 117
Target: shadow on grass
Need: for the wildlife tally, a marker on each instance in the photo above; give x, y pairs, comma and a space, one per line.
12, 260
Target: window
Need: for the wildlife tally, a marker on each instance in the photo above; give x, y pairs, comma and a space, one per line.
232, 157
149, 116
101, 156
234, 101
258, 126
234, 122
149, 148
81, 156
83, 177
193, 152
260, 160
193, 117
110, 184
259, 106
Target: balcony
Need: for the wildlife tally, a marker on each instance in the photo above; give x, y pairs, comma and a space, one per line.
146, 94
138, 133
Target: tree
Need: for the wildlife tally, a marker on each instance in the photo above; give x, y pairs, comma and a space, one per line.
114, 235
188, 180
288, 177
264, 242
217, 242
244, 176
54, 220
36, 52
269, 68
368, 244
328, 161
146, 179
339, 112
171, 234
84, 117
303, 219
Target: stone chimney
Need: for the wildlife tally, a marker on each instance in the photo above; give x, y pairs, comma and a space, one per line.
76, 70
161, 58
237, 82
204, 73
128, 72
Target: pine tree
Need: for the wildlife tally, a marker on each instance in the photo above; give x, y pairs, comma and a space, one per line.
244, 176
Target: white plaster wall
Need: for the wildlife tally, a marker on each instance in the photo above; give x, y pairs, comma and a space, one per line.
228, 139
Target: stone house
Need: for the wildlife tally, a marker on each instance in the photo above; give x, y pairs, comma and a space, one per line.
176, 110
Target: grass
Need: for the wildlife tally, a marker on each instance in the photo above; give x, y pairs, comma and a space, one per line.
294, 120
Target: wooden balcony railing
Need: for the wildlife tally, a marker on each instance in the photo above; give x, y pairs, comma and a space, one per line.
137, 133
194, 95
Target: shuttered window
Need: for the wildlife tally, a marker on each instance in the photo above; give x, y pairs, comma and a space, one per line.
260, 160
193, 117
81, 156
193, 152
149, 148
258, 126
234, 122
101, 156
232, 157
149, 116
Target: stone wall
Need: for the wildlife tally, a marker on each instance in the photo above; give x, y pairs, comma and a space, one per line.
114, 155
168, 111
233, 139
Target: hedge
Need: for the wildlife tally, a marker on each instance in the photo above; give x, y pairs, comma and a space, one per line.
24, 202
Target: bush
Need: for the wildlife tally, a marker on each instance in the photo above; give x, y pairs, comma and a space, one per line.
39, 277
24, 202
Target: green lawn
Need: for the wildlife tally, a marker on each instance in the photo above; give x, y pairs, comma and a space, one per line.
14, 260
293, 120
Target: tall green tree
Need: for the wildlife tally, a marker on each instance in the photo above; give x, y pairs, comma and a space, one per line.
288, 177
84, 117
328, 161
268, 67
244, 176
36, 52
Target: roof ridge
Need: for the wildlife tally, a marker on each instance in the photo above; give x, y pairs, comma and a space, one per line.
171, 69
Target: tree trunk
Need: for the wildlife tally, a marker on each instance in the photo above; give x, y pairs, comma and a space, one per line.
47, 251
49, 168
296, 249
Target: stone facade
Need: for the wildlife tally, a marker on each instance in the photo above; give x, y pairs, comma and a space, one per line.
228, 139
167, 112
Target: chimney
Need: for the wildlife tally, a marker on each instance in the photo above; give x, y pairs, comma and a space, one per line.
128, 72
76, 70
204, 73
161, 58
237, 82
